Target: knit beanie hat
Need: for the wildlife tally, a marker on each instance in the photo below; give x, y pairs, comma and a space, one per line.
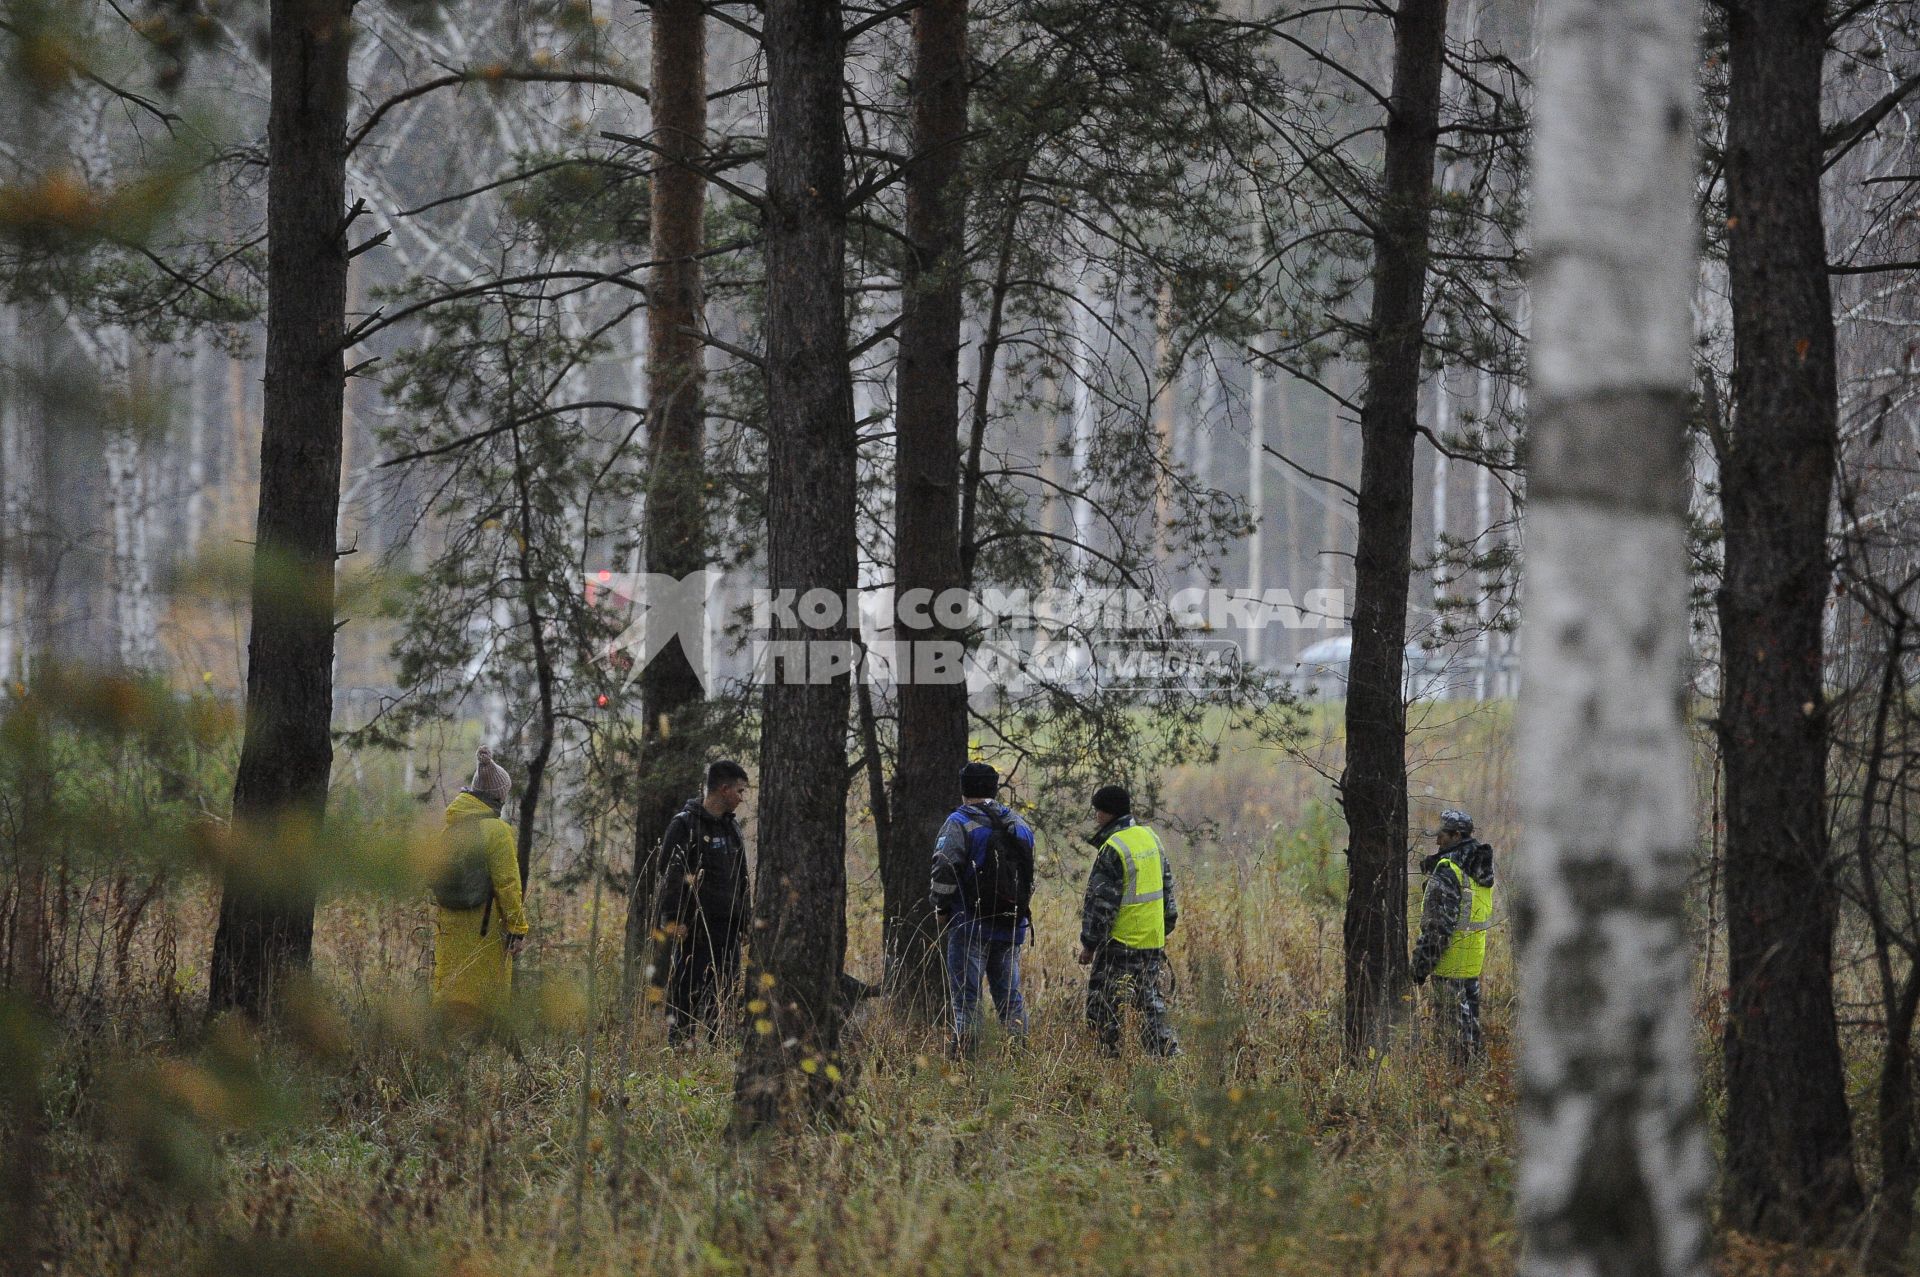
979, 780
490, 780
1112, 800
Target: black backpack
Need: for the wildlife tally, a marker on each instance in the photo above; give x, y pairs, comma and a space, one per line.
465, 881
1003, 880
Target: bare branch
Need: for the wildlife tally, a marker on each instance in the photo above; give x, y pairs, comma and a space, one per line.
490, 75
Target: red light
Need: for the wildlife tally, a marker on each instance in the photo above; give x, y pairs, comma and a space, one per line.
605, 575
603, 700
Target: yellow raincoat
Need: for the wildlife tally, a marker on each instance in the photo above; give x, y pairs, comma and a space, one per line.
472, 973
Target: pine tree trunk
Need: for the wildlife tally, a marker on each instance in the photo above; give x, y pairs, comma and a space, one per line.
1440, 491
933, 715
266, 921
799, 931
1790, 1167
1374, 787
14, 540
1615, 1165
532, 786
675, 532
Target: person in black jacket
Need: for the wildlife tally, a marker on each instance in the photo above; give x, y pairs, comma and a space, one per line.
703, 903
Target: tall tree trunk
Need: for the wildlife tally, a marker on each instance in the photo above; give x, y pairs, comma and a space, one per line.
799, 931
1441, 490
1615, 1163
1790, 1167
1374, 787
1257, 493
675, 529
933, 715
266, 914
533, 784
15, 506
1899, 1157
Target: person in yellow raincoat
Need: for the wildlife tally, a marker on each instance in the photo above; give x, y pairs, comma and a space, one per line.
473, 947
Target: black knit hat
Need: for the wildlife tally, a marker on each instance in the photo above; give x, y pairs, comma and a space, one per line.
979, 780
1112, 800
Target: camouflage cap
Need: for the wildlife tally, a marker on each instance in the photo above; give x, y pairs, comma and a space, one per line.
1453, 820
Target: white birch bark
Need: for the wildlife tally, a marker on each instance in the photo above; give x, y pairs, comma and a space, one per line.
1614, 1163
197, 409
1207, 421
1257, 496
1336, 538
1087, 339
130, 509
1482, 530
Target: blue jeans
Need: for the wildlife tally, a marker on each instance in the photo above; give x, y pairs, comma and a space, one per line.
971, 956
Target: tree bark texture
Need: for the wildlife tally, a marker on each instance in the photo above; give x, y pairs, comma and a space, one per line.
287, 754
799, 932
1614, 1161
675, 532
1374, 786
933, 716
1789, 1171
533, 784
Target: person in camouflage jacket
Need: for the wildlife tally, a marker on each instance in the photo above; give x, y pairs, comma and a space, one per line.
1118, 968
1456, 1000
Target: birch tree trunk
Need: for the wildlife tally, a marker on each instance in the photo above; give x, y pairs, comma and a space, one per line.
1482, 529
131, 505
799, 929
933, 715
1087, 336
1614, 1162
286, 754
1373, 789
1257, 495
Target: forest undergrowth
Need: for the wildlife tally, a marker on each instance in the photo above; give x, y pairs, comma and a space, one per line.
358, 1137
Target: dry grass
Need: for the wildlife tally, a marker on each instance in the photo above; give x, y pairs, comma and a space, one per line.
1258, 1151
359, 1140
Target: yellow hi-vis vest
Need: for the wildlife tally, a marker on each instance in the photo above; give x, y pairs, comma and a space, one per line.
1466, 954
1142, 920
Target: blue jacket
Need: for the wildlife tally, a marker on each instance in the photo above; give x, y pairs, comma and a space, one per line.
958, 856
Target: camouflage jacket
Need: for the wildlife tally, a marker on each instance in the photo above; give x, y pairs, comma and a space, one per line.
1440, 910
1107, 884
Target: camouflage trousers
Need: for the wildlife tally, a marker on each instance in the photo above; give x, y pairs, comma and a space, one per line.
1456, 1017
1138, 976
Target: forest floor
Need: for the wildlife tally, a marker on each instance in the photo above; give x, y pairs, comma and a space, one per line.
355, 1140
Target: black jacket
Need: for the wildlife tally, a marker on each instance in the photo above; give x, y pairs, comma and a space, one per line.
703, 872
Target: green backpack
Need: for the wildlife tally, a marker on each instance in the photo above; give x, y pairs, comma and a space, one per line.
465, 882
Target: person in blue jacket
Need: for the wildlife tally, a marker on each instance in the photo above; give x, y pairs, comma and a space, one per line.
982, 895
